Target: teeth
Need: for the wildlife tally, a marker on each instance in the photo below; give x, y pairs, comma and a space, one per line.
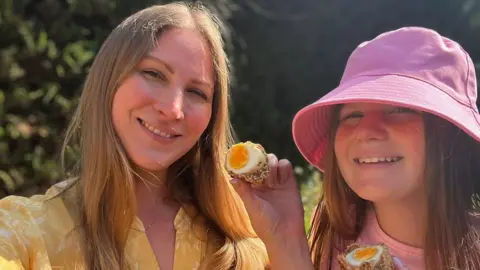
156, 131
377, 160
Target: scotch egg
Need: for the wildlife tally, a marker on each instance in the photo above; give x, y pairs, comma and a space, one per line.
376, 257
247, 161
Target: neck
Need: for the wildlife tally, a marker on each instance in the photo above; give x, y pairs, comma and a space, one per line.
149, 185
151, 194
403, 221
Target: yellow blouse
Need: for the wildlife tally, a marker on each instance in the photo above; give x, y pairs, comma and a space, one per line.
37, 234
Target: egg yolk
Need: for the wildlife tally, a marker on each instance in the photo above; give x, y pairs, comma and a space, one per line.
238, 156
364, 253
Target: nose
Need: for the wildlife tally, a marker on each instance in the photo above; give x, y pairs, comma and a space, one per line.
371, 127
170, 105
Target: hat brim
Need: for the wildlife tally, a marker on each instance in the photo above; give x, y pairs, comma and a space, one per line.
311, 124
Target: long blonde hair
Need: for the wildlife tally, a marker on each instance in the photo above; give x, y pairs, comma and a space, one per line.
106, 176
451, 241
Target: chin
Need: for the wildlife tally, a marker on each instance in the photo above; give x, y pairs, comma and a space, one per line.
153, 160
151, 165
375, 195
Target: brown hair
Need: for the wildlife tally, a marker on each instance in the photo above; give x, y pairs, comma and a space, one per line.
452, 158
109, 211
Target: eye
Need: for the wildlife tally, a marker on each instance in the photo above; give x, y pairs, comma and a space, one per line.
153, 74
351, 115
198, 93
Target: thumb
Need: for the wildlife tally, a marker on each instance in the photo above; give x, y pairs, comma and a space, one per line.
249, 198
285, 173
262, 215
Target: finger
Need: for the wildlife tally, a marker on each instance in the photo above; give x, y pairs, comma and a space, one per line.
272, 179
245, 192
285, 173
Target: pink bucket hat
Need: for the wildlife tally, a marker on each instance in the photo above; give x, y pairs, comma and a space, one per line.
412, 67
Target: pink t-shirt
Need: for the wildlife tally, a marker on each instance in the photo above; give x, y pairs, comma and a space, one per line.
411, 257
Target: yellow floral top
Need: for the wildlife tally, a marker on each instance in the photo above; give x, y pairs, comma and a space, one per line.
37, 233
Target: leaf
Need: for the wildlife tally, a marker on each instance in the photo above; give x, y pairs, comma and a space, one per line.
17, 176
63, 102
36, 94
25, 31
52, 51
16, 72
42, 41
52, 90
7, 181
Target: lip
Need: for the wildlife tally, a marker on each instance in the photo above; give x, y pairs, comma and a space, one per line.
378, 160
154, 124
156, 137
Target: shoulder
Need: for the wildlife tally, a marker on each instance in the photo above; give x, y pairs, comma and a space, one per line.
17, 210
19, 233
24, 207
34, 230
30, 215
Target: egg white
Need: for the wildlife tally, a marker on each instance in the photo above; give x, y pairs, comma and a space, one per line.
352, 261
255, 158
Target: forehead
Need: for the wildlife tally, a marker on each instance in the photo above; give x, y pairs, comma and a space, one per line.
184, 49
184, 40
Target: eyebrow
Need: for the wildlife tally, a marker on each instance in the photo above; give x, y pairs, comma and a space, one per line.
202, 82
171, 70
156, 59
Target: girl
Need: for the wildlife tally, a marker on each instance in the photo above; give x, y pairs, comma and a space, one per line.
398, 142
150, 191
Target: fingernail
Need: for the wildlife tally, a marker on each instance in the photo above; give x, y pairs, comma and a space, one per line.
234, 181
398, 263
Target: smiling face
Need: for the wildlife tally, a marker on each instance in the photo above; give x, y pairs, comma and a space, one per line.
161, 110
380, 150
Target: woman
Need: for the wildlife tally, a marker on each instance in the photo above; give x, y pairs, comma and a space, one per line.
150, 190
399, 144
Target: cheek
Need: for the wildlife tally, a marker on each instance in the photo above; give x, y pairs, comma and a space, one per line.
133, 93
417, 144
198, 119
341, 147
119, 110
412, 141
413, 138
